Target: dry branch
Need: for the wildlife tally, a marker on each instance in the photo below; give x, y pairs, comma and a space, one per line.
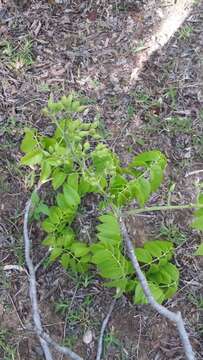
44, 338
174, 317
103, 328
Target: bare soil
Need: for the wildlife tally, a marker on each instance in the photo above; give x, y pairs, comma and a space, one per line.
91, 48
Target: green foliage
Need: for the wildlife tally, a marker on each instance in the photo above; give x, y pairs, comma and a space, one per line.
75, 164
198, 222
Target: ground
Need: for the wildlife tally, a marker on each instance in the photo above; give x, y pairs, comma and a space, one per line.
49, 49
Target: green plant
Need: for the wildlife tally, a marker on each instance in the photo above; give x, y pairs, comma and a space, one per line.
173, 233
76, 162
185, 32
196, 300
6, 350
19, 56
110, 339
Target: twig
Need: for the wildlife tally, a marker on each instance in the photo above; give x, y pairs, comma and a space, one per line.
195, 172
42, 260
103, 328
32, 284
62, 349
14, 267
174, 317
19, 318
44, 338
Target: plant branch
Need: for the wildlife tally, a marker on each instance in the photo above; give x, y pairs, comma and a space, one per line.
43, 337
174, 317
103, 328
161, 208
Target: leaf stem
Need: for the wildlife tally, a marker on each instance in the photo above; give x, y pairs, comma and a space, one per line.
161, 208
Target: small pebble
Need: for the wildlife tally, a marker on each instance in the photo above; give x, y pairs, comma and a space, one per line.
87, 337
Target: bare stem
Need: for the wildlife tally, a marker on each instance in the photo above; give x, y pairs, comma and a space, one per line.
44, 338
174, 317
162, 208
103, 328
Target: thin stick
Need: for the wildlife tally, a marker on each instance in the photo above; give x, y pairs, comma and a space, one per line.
32, 284
174, 317
44, 338
62, 349
195, 172
103, 328
162, 208
42, 260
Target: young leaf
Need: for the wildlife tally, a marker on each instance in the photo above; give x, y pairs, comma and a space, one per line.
55, 214
61, 202
143, 256
170, 291
72, 197
65, 260
32, 158
48, 226
58, 178
45, 171
117, 183
73, 181
198, 223
199, 251
80, 249
145, 158
49, 240
29, 142
139, 297
156, 177
56, 252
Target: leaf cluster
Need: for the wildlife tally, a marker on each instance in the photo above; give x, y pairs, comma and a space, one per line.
76, 162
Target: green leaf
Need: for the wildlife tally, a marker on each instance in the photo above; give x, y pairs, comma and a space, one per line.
45, 171
143, 256
170, 291
56, 252
145, 187
32, 158
198, 223
58, 178
80, 249
48, 226
73, 181
65, 241
139, 297
72, 198
199, 251
86, 259
117, 183
119, 284
145, 158
111, 264
35, 198
156, 177
49, 240
65, 260
140, 189
158, 247
61, 202
29, 142
55, 214
166, 274
200, 199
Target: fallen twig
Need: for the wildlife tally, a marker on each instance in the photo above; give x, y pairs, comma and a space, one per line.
44, 338
195, 172
15, 268
174, 317
103, 328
